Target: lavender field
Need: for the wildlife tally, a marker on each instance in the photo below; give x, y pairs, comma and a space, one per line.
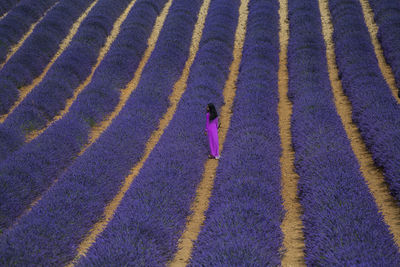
103, 158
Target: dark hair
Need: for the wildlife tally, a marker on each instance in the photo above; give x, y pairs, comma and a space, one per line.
213, 111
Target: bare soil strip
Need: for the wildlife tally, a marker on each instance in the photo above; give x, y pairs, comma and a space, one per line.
5, 14
174, 98
15, 48
373, 31
292, 226
203, 192
104, 50
98, 129
373, 176
24, 91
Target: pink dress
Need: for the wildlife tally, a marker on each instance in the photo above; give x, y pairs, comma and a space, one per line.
212, 132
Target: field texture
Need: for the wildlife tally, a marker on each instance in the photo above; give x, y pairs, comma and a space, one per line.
103, 158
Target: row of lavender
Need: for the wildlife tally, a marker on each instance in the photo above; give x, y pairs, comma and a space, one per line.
153, 213
36, 52
18, 21
242, 225
375, 111
342, 225
387, 16
29, 171
69, 70
6, 5
50, 233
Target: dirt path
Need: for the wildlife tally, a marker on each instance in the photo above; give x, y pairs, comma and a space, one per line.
373, 31
203, 192
104, 50
372, 175
292, 226
174, 98
15, 48
25, 90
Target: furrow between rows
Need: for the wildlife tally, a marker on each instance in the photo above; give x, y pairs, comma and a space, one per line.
20, 76
13, 49
28, 172
373, 32
78, 199
104, 50
372, 175
292, 226
174, 98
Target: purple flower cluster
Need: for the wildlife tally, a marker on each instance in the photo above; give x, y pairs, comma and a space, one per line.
36, 52
18, 21
70, 69
50, 233
153, 213
387, 16
7, 5
242, 225
342, 226
375, 111
30, 170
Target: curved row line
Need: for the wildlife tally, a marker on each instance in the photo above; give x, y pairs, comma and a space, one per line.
77, 201
375, 111
174, 98
28, 172
373, 32
66, 73
103, 51
159, 197
32, 61
387, 16
373, 176
22, 19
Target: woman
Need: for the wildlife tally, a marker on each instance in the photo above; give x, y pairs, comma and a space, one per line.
212, 131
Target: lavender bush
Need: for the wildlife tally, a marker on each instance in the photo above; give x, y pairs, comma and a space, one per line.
7, 5
375, 111
77, 201
387, 16
30, 170
18, 21
342, 226
69, 70
152, 215
242, 226
36, 52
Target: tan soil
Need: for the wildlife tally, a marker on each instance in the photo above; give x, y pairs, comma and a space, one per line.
292, 226
104, 50
24, 91
15, 48
174, 98
372, 175
203, 192
373, 30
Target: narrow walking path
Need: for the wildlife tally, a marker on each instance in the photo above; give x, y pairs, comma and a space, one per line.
174, 98
292, 226
386, 70
24, 91
203, 192
15, 48
373, 176
104, 50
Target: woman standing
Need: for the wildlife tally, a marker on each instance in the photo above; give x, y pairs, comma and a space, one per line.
212, 131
